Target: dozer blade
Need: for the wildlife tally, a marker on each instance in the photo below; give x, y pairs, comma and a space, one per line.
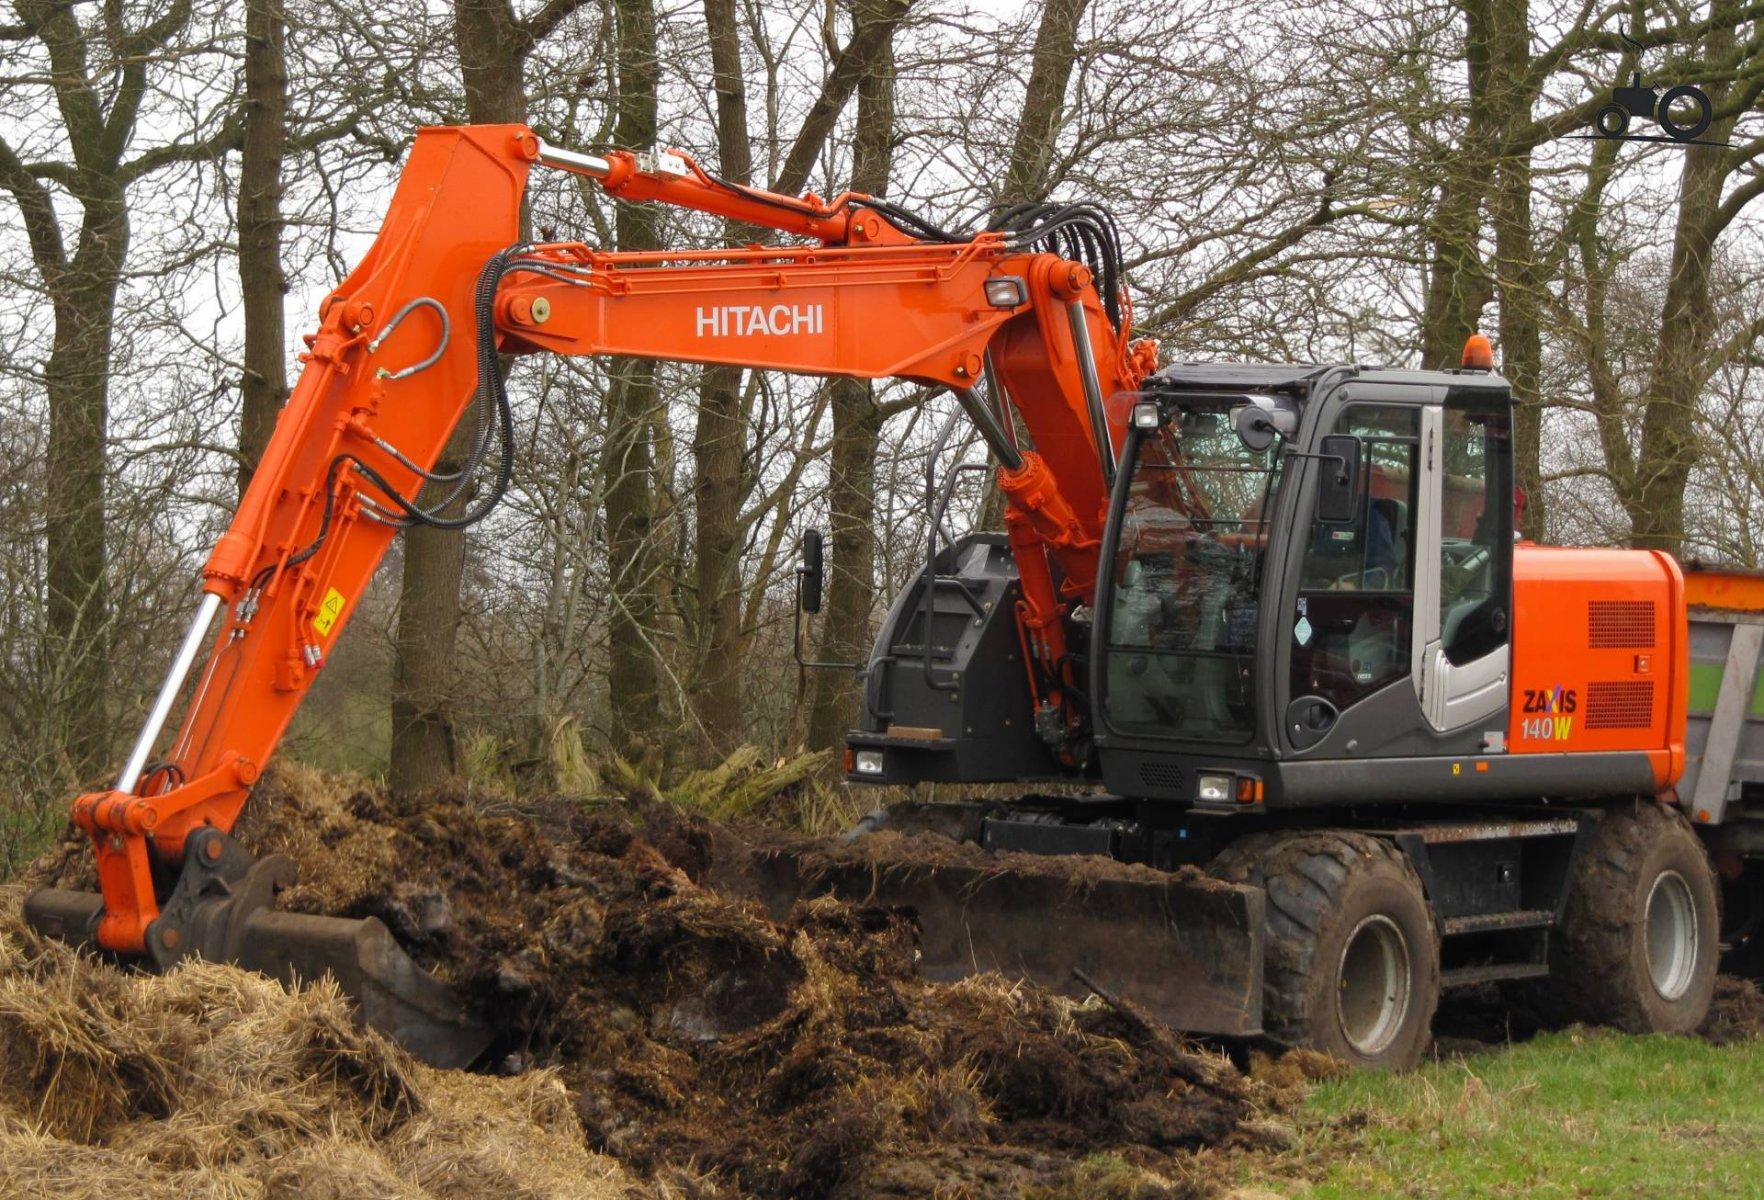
1183, 946
220, 911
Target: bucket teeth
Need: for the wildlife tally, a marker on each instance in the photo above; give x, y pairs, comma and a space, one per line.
220, 910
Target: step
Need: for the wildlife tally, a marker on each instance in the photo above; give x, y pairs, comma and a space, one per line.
1491, 973
1522, 918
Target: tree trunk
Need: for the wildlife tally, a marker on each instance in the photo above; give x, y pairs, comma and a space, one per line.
872, 34
77, 379
633, 674
99, 106
1521, 335
857, 429
262, 282
718, 441
1030, 173
1458, 286
1669, 448
492, 53
1519, 279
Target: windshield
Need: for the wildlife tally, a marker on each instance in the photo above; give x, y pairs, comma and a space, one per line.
1180, 638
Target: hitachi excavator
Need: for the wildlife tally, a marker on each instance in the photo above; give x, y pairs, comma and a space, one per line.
1261, 633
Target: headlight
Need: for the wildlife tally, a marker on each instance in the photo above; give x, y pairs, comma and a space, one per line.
1215, 789
1146, 416
1006, 291
867, 762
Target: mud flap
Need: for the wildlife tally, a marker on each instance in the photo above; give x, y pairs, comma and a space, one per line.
220, 910
1186, 948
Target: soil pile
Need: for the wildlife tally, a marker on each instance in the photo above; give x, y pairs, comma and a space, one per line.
213, 1082
800, 1058
1737, 1013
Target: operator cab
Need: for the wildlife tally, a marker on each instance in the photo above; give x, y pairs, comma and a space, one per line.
1307, 571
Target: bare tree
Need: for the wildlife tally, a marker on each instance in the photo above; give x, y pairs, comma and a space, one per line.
98, 75
723, 466
492, 43
633, 677
262, 282
857, 429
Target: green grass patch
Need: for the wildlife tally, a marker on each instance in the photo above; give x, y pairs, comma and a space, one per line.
1580, 1113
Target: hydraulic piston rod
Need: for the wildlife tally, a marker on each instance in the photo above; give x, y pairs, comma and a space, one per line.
194, 638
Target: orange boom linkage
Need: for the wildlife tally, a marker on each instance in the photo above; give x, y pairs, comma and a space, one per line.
399, 356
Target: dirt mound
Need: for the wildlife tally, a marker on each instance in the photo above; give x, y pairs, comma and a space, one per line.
212, 1081
1737, 1013
800, 1058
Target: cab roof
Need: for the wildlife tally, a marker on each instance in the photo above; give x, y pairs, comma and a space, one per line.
1299, 378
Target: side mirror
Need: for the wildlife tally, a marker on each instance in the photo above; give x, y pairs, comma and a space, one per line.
811, 574
1338, 491
1257, 424
1254, 427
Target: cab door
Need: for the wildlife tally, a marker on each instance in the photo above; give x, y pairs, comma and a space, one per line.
1464, 561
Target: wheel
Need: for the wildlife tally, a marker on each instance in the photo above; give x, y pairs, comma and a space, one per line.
1351, 962
1696, 129
1640, 938
1612, 121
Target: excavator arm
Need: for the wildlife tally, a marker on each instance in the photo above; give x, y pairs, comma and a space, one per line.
409, 344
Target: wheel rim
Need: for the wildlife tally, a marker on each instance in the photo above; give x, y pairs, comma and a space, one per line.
1611, 121
1374, 993
1672, 935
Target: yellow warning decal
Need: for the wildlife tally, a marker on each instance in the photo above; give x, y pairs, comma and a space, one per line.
328, 612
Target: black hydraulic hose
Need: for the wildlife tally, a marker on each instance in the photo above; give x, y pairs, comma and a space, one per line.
491, 388
492, 393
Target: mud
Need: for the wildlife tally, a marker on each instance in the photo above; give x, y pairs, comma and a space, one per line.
1737, 1014
212, 1081
801, 1057
661, 1037
1474, 1020
888, 848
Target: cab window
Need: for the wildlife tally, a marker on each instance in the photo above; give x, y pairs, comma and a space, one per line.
1354, 617
1180, 625
1476, 533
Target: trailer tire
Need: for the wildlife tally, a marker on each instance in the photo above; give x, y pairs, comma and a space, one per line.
1351, 964
1639, 941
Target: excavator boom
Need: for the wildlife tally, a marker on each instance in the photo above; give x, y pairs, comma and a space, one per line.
408, 345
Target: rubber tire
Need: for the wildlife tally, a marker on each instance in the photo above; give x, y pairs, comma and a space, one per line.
1320, 885
1621, 126
1697, 128
1598, 956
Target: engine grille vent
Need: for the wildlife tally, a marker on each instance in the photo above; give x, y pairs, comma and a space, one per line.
1626, 704
1620, 624
1164, 776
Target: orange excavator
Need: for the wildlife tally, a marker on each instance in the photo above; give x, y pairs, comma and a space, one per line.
1268, 621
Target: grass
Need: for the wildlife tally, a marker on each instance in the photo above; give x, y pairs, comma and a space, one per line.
33, 812
1580, 1113
26, 830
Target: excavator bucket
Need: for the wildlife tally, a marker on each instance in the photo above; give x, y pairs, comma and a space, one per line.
1185, 947
220, 910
